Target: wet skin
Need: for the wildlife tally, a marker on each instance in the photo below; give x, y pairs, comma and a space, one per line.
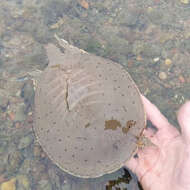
165, 166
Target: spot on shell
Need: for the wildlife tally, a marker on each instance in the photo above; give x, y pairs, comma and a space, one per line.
112, 124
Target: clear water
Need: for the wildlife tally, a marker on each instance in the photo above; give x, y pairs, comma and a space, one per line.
151, 38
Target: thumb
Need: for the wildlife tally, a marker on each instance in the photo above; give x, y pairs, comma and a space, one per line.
184, 121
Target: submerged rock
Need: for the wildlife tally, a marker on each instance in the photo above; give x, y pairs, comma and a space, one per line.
23, 182
14, 160
25, 142
44, 185
9, 185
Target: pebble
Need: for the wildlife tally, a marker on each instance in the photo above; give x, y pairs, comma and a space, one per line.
2, 166
27, 92
4, 101
37, 151
57, 25
181, 79
139, 58
168, 62
2, 178
54, 178
162, 75
184, 1
9, 185
39, 171
16, 112
84, 4
14, 159
44, 185
156, 59
3, 146
17, 124
19, 113
23, 182
11, 115
66, 186
25, 142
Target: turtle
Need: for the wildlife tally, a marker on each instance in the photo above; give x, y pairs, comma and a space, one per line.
88, 112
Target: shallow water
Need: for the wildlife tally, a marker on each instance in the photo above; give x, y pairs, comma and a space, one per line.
151, 38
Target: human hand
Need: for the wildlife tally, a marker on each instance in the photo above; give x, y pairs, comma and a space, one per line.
165, 166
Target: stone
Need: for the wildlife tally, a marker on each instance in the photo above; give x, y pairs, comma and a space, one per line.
25, 142
9, 185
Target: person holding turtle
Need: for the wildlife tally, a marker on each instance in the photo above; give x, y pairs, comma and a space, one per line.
167, 165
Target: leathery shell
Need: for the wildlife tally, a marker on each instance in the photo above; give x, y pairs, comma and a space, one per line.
88, 112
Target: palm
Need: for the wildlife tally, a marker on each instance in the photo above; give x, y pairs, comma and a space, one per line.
165, 165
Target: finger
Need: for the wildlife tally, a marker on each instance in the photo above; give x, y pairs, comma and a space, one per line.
153, 114
165, 130
184, 120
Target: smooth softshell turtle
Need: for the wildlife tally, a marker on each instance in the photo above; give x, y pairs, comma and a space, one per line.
88, 112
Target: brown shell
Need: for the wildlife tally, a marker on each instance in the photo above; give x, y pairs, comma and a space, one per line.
88, 111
